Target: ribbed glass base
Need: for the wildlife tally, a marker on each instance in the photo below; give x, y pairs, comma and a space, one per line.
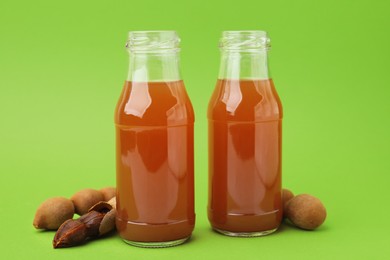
157, 244
245, 234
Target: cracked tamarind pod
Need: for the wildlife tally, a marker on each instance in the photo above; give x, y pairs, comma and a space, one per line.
97, 222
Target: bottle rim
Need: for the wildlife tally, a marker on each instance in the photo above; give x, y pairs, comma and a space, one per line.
247, 40
163, 41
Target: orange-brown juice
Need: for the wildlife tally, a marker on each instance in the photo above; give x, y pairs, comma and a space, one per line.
155, 166
245, 157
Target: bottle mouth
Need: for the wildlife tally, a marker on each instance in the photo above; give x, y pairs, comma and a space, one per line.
244, 41
153, 42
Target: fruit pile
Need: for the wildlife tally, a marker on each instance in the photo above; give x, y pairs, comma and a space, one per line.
304, 211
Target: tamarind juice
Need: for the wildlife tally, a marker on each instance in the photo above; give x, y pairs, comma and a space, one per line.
155, 166
245, 157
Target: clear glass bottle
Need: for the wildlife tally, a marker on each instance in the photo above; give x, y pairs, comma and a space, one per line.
245, 130
154, 122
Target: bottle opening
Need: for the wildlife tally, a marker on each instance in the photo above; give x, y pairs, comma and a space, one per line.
153, 41
244, 41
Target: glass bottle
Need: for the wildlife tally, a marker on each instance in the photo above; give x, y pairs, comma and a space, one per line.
154, 122
245, 130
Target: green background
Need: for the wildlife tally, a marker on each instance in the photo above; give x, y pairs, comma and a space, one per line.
62, 67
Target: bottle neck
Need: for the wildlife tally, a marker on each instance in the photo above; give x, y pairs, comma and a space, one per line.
156, 67
241, 65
